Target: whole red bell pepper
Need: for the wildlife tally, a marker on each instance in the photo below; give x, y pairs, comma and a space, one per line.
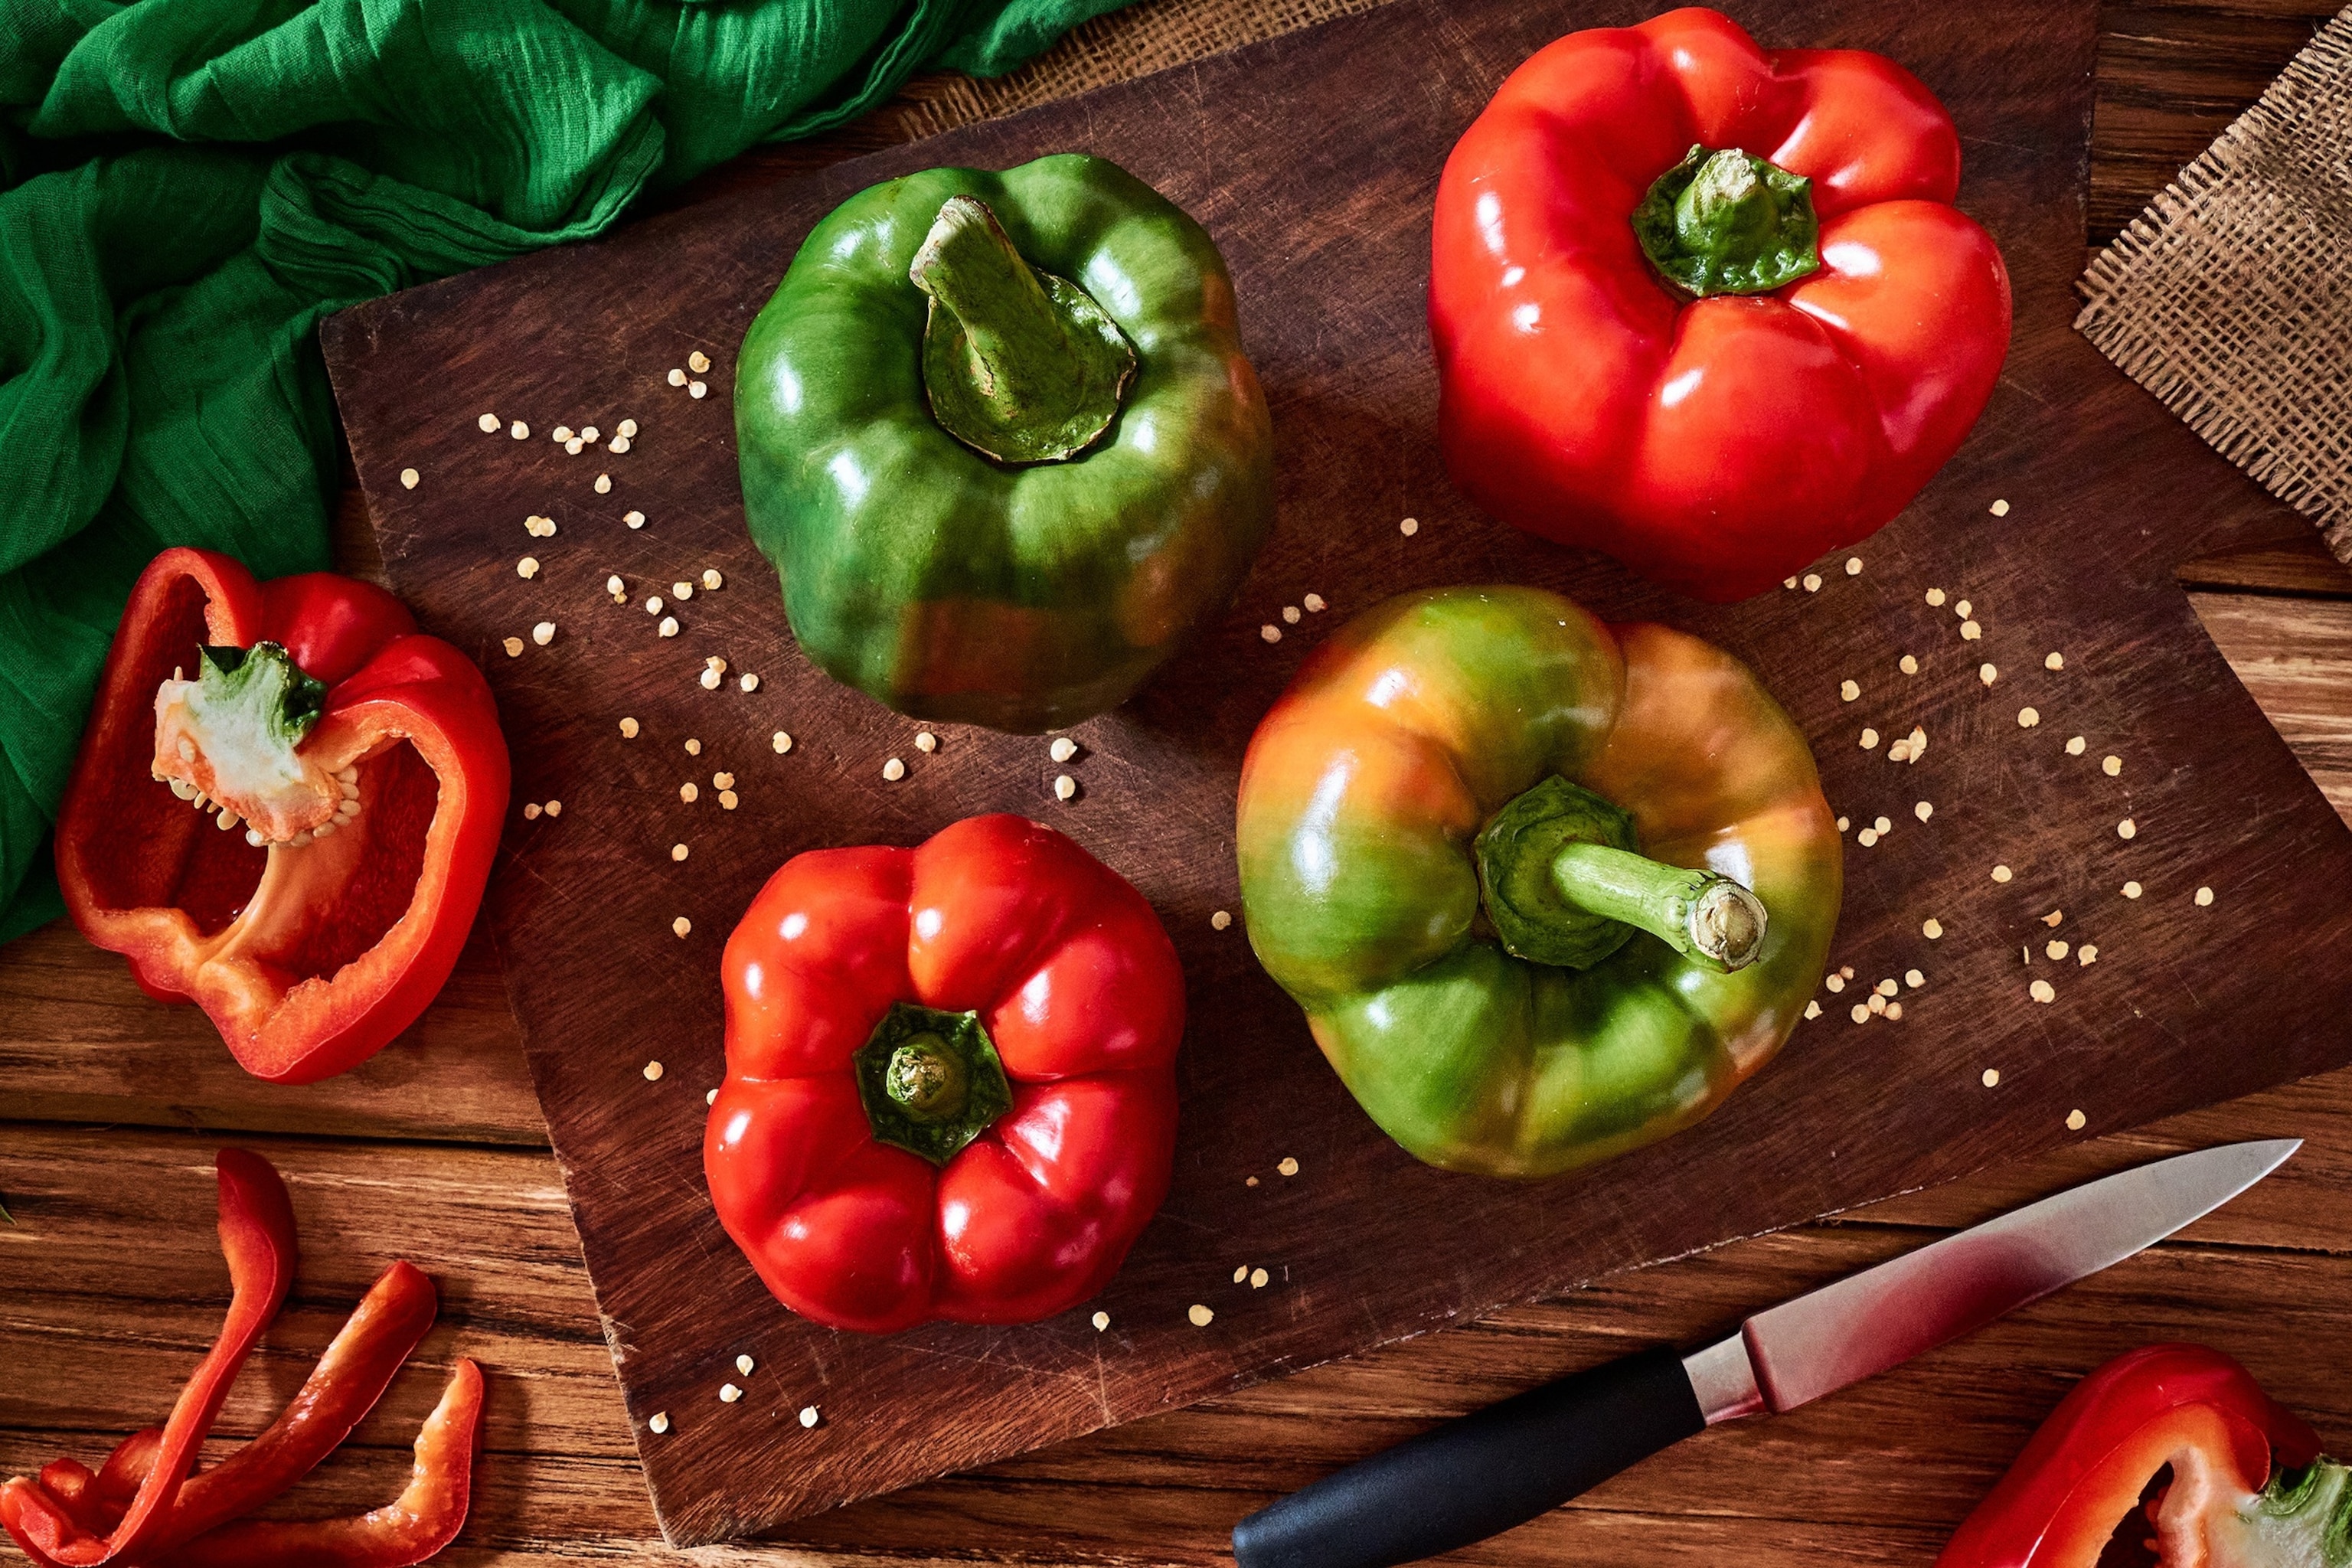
2247, 1490
1705, 307
950, 1079
348, 781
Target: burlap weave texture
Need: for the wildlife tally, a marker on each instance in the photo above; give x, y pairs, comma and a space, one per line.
2231, 297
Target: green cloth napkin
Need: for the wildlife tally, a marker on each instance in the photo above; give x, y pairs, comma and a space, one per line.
187, 186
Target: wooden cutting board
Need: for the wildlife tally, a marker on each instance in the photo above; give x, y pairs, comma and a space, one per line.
1312, 159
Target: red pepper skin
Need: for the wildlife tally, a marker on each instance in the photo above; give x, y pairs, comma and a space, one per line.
423, 1520
1716, 445
309, 960
1078, 987
2086, 1468
257, 1232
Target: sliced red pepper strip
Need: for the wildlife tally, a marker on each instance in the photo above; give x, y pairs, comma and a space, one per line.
423, 1520
125, 1470
72, 1488
257, 1232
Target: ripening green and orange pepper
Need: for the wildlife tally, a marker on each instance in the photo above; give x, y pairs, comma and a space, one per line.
1548, 890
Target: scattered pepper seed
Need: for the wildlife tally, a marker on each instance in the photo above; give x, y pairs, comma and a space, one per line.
697, 389
711, 1096
1860, 1012
2075, 1120
618, 445
1249, 1180
809, 1416
1241, 1272
2111, 766
1900, 752
668, 627
1286, 1166
1812, 1009
1065, 787
1908, 665
1883, 826
519, 430
634, 518
590, 433
1867, 837
1290, 613
693, 747
656, 604
1101, 1321
2086, 955
1845, 971
697, 361
1788, 582
544, 633
1062, 749
2055, 661
1843, 823
514, 648
1992, 1078
1931, 929
409, 478
681, 926
677, 376
2056, 949
653, 1072
1835, 983
659, 1423
2027, 718
1848, 690
1201, 1316
2127, 828
1258, 1277
743, 1364
530, 811
574, 447
1923, 811
2075, 746
1314, 603
555, 808
1935, 597
711, 679
1409, 526
629, 429
726, 800
682, 591
1999, 509
1869, 738
603, 484
2054, 919
1270, 632
711, 579
1812, 582
894, 770
722, 781
2131, 889
614, 586
489, 422
1220, 920
2001, 873
689, 791
1970, 631
1964, 609
1886, 988
1854, 565
729, 1393
677, 851
780, 742
1988, 673
628, 728
2042, 991
561, 434
1895, 1012
2204, 897
1913, 979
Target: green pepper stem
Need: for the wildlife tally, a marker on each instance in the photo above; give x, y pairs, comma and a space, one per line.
927, 1079
1019, 364
1724, 221
1697, 914
931, 1081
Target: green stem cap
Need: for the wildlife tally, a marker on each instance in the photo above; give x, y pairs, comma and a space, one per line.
931, 1081
1726, 222
1565, 885
1020, 365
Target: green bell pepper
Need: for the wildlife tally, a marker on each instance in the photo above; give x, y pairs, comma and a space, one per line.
999, 437
1547, 892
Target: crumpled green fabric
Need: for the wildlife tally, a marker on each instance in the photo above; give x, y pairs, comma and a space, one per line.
187, 186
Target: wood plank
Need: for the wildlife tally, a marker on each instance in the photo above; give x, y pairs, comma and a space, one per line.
2291, 655
1884, 1467
2072, 567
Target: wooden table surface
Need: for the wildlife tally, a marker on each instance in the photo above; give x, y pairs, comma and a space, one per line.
110, 1281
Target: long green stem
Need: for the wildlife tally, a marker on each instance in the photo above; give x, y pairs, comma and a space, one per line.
1698, 913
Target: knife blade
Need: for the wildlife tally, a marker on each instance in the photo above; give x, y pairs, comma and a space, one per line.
1500, 1466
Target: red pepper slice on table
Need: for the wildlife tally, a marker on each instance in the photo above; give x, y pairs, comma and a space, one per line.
1705, 307
348, 779
146, 1508
950, 1079
2248, 1489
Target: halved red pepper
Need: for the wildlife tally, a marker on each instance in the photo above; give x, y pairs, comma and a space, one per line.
347, 780
2248, 1488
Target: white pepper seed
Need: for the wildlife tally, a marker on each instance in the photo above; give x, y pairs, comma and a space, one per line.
894, 770
1258, 1277
1999, 509
1992, 1078
2127, 828
677, 376
697, 389
1788, 582
530, 811
614, 586
693, 747
689, 791
653, 1072
1860, 1012
743, 1364
519, 430
2086, 955
1314, 603
1270, 632
1854, 565
2055, 948
574, 447
2111, 766
618, 445
489, 422
527, 568
1833, 983
1290, 613
1895, 1012
1065, 787
722, 780
2204, 897
711, 679
748, 681
809, 1416
1913, 979
1923, 811
2076, 1120
729, 1393
1988, 673
697, 361
2075, 746
1812, 582
1286, 1166
555, 808
1848, 690
681, 926
544, 633
628, 728
1964, 610
1935, 597
1931, 929
727, 799
1869, 738
629, 429
1970, 631
1812, 1009
603, 484
2027, 718
1883, 826
2001, 873
660, 1422
711, 579
634, 518
681, 591
2042, 991
1062, 749
1867, 837
1409, 526
677, 851
514, 648
590, 433
409, 478
656, 604
1200, 1315
2131, 889
1908, 665
668, 627
780, 742
926, 743
1220, 920
2055, 661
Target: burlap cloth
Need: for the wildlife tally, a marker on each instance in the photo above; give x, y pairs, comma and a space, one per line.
2231, 297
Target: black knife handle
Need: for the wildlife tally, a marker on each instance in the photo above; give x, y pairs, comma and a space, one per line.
1479, 1476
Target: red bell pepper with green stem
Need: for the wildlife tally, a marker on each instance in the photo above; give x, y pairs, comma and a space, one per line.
1705, 307
2248, 1488
950, 1079
347, 780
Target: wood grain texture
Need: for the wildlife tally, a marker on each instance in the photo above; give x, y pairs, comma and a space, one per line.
1880, 1488
1328, 243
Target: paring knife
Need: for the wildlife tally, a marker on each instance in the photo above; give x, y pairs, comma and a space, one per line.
1503, 1466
